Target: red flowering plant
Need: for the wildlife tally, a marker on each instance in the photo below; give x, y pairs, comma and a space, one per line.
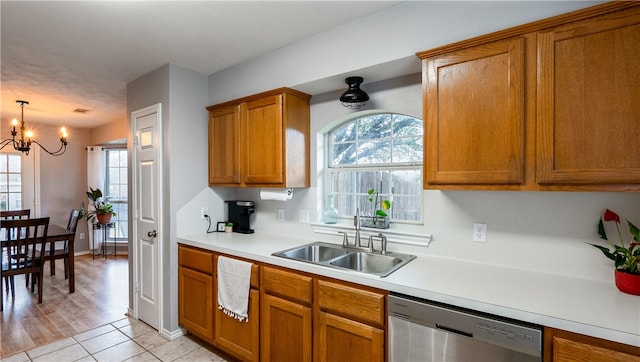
626, 259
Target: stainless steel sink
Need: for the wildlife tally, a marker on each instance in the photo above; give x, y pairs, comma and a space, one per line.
376, 264
315, 252
347, 258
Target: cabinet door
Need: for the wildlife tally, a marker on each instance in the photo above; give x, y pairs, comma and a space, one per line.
224, 141
475, 114
588, 102
195, 302
341, 339
240, 339
264, 147
285, 333
564, 346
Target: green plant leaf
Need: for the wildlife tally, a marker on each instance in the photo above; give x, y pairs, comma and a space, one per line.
601, 232
634, 231
386, 204
605, 251
371, 191
381, 213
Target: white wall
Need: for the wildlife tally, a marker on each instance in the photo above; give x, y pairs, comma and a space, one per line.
185, 169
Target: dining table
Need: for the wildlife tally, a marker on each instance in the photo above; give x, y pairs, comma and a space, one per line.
59, 233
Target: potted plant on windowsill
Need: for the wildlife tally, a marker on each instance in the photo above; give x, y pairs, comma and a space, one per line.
625, 258
102, 209
379, 219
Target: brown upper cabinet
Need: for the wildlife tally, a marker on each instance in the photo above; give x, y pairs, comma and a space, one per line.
474, 107
260, 141
550, 105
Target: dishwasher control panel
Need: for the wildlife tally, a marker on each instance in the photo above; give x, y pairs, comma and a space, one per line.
515, 335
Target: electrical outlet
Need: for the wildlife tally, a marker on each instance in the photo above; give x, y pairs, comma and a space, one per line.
82, 236
280, 214
204, 211
480, 232
303, 216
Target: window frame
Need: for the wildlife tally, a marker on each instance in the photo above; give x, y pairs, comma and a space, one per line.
6, 156
121, 219
385, 167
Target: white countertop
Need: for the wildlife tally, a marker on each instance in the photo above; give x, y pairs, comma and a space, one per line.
583, 306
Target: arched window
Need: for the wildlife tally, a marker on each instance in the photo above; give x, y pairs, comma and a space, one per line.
380, 151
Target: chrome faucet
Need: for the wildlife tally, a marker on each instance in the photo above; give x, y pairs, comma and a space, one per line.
345, 238
383, 243
357, 222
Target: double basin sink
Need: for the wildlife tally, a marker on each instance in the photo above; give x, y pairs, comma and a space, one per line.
347, 258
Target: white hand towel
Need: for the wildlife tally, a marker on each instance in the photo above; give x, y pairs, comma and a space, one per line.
234, 278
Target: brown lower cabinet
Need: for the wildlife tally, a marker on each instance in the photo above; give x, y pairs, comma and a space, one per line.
307, 317
195, 291
296, 316
351, 322
286, 316
293, 316
198, 309
564, 346
240, 339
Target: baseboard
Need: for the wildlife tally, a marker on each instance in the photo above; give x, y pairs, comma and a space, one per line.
171, 335
87, 252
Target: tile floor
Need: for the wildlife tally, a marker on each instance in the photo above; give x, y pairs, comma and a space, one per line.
124, 340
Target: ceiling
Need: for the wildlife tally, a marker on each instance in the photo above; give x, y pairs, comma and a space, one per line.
65, 56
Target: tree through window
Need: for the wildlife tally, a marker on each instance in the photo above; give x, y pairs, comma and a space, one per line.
381, 151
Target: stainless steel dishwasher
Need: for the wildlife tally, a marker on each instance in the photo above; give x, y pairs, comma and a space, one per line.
421, 330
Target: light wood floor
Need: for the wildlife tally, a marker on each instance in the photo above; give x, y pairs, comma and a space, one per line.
101, 297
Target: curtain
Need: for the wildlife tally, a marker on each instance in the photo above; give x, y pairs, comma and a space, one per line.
96, 164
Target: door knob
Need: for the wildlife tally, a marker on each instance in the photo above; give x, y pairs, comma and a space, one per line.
152, 234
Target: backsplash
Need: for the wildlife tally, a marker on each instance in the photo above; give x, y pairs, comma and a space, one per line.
542, 231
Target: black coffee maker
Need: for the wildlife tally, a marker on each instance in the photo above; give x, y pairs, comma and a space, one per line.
239, 214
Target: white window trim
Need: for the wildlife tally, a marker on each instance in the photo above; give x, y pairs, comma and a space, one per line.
393, 235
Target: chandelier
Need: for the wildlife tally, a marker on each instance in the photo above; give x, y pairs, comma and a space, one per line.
26, 137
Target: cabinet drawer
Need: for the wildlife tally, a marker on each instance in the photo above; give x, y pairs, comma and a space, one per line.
286, 284
196, 259
363, 305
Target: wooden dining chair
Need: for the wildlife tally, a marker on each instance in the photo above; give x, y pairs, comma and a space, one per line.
60, 249
21, 243
14, 215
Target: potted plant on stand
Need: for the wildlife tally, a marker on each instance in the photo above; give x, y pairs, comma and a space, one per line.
102, 209
625, 258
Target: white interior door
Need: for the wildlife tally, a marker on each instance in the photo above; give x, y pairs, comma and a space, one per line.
146, 210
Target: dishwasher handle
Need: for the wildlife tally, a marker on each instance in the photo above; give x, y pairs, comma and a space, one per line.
453, 330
